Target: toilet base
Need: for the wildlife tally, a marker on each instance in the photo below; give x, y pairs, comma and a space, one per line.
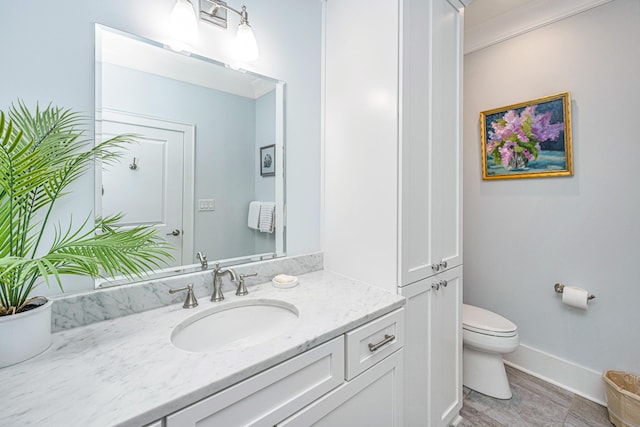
485, 373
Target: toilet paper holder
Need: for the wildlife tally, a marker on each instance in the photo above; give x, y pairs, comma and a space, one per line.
559, 288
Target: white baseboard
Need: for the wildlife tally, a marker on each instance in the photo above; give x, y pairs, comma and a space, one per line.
577, 379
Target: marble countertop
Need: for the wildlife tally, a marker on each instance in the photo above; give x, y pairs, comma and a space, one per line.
127, 372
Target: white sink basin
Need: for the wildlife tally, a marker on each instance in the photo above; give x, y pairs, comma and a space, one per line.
238, 324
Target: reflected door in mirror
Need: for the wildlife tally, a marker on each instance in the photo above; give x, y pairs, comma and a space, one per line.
146, 184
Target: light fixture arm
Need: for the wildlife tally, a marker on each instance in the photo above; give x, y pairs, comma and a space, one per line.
245, 44
244, 16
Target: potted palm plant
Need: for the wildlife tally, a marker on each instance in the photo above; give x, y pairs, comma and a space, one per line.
42, 153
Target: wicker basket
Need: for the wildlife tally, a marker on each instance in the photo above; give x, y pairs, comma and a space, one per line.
623, 398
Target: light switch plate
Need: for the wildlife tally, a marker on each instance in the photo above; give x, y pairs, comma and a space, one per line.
206, 205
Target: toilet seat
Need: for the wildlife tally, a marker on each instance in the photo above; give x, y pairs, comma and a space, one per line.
485, 322
490, 333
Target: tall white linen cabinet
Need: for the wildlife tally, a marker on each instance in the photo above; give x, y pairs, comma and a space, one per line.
392, 115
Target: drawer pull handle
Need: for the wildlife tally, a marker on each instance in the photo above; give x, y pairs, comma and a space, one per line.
387, 339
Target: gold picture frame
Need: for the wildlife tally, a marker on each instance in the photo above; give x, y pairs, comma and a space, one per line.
530, 139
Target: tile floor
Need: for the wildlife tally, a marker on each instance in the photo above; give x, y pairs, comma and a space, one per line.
534, 403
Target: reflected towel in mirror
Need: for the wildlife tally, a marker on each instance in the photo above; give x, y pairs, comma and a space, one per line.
254, 215
267, 213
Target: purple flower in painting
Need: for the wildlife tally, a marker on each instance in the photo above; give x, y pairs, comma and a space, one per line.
543, 129
504, 128
522, 137
513, 121
491, 145
506, 152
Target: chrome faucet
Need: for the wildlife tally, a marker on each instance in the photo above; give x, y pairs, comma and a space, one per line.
217, 281
203, 260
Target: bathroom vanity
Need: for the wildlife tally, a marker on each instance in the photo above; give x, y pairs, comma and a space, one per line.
328, 385
320, 369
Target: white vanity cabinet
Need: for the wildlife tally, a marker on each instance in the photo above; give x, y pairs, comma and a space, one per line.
431, 231
393, 176
373, 399
313, 384
431, 140
433, 350
272, 395
392, 139
372, 394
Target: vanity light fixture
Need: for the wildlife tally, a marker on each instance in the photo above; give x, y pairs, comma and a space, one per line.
245, 47
183, 25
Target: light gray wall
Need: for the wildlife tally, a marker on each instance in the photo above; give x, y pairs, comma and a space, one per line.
49, 57
522, 236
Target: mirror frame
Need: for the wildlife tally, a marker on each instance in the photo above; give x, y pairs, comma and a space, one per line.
189, 186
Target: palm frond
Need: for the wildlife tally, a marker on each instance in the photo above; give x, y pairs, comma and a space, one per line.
41, 154
112, 249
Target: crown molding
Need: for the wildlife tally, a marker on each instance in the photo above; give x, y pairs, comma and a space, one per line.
531, 16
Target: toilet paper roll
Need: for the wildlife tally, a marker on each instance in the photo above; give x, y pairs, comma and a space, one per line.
575, 297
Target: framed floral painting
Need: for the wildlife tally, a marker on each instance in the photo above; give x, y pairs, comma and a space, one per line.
528, 140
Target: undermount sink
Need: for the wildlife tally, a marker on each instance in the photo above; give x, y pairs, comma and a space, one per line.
237, 324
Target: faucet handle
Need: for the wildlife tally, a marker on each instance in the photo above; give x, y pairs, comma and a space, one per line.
242, 287
191, 301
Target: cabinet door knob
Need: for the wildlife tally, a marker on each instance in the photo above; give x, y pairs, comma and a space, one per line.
435, 267
435, 286
175, 232
444, 283
443, 264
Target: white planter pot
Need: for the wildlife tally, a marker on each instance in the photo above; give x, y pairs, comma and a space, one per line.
25, 335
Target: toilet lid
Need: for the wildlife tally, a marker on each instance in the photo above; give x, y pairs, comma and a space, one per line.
483, 321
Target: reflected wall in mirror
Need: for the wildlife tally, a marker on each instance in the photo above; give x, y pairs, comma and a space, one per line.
195, 169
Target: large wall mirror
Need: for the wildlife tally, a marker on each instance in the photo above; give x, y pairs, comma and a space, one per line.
207, 168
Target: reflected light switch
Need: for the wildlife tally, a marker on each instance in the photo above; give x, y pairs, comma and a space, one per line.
206, 205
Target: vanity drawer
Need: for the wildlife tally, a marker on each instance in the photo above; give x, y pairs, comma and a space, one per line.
272, 395
370, 343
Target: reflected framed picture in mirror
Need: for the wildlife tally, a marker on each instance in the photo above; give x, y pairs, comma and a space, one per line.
268, 160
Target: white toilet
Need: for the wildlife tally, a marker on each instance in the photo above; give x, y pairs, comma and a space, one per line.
486, 336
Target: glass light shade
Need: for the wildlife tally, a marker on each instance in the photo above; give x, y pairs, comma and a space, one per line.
245, 46
183, 26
